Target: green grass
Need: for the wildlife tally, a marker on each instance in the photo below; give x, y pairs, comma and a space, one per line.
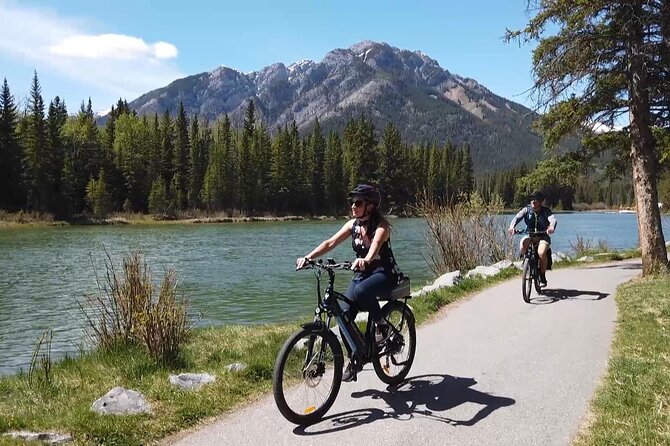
632, 404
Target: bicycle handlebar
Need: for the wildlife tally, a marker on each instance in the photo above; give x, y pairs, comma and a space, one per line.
530, 233
330, 264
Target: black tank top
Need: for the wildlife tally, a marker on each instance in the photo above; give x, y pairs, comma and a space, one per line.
384, 261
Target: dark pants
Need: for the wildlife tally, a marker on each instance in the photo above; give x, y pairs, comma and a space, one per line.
364, 292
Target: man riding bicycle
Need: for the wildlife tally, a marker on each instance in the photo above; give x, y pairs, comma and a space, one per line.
538, 218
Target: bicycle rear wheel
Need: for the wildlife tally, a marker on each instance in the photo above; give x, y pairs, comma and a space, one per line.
527, 280
536, 278
395, 356
307, 375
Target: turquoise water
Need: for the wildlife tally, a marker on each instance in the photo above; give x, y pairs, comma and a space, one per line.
232, 273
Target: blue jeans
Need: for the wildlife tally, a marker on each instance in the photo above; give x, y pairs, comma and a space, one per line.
364, 292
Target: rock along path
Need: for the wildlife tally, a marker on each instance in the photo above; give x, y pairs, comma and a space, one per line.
491, 370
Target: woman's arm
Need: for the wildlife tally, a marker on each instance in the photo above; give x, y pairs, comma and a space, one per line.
328, 244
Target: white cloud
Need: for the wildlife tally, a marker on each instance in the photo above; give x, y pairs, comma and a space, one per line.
112, 46
120, 64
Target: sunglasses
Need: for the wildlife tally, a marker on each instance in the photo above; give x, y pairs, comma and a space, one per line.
357, 203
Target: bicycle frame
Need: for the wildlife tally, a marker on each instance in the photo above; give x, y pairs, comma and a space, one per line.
361, 344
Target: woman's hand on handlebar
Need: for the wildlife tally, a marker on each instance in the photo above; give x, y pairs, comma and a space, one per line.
550, 230
302, 262
511, 231
359, 264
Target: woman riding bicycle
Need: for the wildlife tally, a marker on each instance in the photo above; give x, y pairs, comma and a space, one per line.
375, 266
538, 218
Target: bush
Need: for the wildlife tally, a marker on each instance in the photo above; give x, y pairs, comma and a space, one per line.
465, 235
128, 310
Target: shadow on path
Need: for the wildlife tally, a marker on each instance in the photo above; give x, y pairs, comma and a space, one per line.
618, 265
550, 296
428, 396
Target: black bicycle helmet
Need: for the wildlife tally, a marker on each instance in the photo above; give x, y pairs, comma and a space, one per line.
367, 193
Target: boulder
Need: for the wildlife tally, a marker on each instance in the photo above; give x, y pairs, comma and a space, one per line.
585, 259
120, 401
236, 367
485, 271
191, 381
503, 264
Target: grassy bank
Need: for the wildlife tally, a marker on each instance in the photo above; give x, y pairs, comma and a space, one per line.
62, 403
632, 404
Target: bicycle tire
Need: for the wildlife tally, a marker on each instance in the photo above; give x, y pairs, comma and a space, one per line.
293, 384
394, 357
536, 277
527, 280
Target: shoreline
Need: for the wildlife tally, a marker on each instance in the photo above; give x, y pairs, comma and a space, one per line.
21, 220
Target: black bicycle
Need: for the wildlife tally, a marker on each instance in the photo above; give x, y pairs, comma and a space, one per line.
531, 265
308, 370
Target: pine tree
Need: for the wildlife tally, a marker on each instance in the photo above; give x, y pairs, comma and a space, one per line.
198, 161
392, 168
12, 195
317, 148
167, 148
37, 179
246, 169
467, 172
55, 122
607, 58
334, 182
180, 159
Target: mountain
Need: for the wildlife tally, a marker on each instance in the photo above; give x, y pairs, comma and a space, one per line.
425, 102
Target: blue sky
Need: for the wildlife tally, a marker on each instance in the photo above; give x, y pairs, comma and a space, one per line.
121, 48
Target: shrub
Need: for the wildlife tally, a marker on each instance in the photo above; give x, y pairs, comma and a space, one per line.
130, 309
466, 234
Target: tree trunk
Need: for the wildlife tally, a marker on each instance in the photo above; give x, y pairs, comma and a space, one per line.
650, 230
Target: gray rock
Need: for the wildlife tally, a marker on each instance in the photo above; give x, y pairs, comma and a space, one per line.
503, 264
559, 257
191, 381
486, 271
518, 264
236, 367
120, 401
44, 437
585, 259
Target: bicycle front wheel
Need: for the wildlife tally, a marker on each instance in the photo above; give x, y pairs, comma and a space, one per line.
307, 375
527, 280
395, 356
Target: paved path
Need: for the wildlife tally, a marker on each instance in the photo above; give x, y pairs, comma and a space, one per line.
492, 371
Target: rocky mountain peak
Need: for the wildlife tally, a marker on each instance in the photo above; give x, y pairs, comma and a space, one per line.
408, 88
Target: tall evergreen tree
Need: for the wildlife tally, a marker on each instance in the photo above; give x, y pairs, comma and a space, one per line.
467, 172
247, 173
37, 179
56, 119
181, 159
392, 168
317, 148
334, 181
167, 148
605, 60
11, 191
262, 161
198, 161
